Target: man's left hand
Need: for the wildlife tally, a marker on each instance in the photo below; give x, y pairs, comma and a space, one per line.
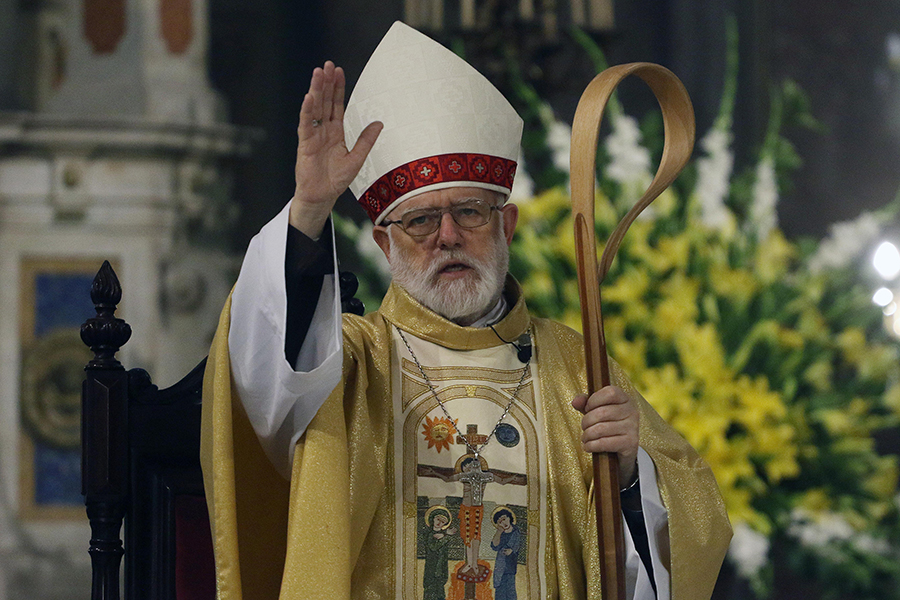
610, 424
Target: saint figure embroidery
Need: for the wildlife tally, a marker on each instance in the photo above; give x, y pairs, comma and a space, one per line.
507, 542
437, 552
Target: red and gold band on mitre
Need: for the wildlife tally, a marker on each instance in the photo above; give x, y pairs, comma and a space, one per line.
445, 125
433, 173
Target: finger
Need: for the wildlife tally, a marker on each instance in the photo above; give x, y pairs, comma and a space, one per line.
579, 402
305, 125
316, 85
620, 445
327, 91
608, 395
609, 412
365, 142
611, 430
340, 87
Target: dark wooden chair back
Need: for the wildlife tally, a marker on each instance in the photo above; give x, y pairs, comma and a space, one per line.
141, 465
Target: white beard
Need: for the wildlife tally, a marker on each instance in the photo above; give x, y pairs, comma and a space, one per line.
464, 300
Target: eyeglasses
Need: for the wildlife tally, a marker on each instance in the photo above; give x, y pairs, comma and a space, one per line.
425, 221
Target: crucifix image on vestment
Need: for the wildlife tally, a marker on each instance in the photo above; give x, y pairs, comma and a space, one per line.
472, 472
455, 559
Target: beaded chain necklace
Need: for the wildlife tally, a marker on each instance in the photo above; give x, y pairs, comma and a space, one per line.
476, 451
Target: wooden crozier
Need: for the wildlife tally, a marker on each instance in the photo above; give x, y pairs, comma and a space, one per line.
678, 120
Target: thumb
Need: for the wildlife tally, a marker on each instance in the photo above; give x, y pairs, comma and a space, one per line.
366, 140
579, 402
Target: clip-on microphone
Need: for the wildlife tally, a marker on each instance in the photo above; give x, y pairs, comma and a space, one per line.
522, 345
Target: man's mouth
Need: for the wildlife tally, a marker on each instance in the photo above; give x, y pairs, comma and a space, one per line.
454, 267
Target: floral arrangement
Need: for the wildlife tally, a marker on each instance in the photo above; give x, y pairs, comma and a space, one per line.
766, 354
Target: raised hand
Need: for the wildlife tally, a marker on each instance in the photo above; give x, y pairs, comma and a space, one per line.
325, 167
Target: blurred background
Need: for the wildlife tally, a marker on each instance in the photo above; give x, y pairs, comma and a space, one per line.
160, 135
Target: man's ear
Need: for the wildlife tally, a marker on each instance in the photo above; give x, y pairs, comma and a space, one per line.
510, 218
383, 239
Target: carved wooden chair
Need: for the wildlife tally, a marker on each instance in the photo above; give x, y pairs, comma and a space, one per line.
141, 465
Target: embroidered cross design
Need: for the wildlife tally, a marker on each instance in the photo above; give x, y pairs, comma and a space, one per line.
472, 436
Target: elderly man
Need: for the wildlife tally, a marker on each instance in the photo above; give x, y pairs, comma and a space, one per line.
364, 417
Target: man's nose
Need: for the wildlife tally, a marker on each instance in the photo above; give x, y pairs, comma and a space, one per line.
448, 231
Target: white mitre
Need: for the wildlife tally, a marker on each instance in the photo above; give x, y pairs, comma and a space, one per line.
445, 125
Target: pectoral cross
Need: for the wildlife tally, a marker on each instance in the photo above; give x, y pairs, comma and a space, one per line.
477, 479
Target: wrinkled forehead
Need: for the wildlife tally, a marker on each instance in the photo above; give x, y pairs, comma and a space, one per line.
446, 197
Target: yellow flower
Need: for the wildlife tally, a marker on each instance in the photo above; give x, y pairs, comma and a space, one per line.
837, 422
538, 284
563, 242
878, 362
815, 500
813, 326
783, 466
572, 318
818, 375
629, 287
678, 308
528, 249
852, 342
672, 253
735, 284
572, 296
635, 242
892, 398
615, 331
665, 203
789, 338
702, 354
773, 256
631, 354
544, 206
604, 212
666, 390
883, 482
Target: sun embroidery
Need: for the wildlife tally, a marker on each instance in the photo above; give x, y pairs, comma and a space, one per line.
438, 432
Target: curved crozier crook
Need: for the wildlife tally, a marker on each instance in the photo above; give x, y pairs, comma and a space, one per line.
678, 122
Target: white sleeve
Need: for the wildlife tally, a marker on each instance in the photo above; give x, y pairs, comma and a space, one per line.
280, 400
656, 520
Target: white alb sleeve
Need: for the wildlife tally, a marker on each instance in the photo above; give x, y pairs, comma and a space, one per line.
280, 399
656, 520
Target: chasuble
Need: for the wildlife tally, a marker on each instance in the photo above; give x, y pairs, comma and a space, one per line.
377, 505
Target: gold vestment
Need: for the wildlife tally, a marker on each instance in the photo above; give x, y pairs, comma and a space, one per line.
328, 533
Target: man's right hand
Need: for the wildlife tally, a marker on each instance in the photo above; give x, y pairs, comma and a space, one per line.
325, 167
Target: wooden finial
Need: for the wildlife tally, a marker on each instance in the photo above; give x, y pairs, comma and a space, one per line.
105, 333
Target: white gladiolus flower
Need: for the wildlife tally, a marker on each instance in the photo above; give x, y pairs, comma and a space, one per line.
630, 162
559, 138
765, 198
523, 186
845, 242
713, 178
815, 531
866, 543
749, 550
